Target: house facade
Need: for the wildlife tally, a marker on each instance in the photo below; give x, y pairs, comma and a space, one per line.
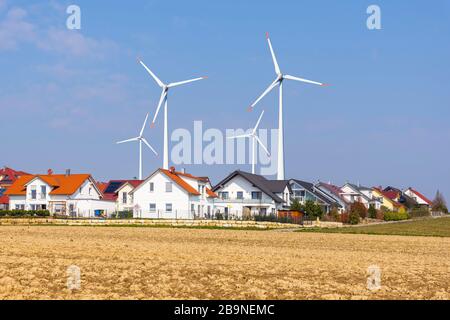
355, 193
125, 199
422, 201
242, 195
74, 195
169, 194
388, 199
334, 192
305, 191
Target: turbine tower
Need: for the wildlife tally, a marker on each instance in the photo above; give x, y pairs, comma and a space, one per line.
254, 139
279, 81
163, 99
141, 139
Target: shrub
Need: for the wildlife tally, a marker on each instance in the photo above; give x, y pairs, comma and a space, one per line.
395, 216
344, 217
24, 213
380, 215
353, 217
124, 215
359, 209
372, 212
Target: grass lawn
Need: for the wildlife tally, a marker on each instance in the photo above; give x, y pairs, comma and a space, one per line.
439, 227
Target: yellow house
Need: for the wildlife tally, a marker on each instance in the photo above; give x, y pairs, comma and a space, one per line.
387, 202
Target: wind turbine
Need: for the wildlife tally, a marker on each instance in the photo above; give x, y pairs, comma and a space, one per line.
255, 139
163, 99
279, 81
141, 139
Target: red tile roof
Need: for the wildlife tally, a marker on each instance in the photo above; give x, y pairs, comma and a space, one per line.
421, 196
10, 175
388, 195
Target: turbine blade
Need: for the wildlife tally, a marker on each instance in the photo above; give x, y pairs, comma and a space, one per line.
159, 82
148, 145
161, 99
128, 140
274, 58
303, 80
143, 126
175, 84
272, 85
262, 145
257, 123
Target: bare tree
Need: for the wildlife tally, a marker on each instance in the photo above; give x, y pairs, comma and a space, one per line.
439, 204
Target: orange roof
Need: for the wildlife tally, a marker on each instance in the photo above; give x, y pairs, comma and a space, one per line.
175, 176
211, 193
61, 184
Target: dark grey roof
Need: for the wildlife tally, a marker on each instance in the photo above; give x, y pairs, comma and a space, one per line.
278, 186
319, 194
269, 187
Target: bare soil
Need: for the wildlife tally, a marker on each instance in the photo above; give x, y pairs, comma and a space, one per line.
154, 263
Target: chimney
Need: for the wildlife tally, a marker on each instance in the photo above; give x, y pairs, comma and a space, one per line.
67, 172
49, 172
172, 169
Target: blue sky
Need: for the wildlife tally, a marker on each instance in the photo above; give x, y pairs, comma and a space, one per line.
66, 96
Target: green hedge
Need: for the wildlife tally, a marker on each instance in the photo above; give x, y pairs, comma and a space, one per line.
395, 216
24, 213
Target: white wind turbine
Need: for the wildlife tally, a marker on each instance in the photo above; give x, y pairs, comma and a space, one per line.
255, 139
163, 99
279, 81
141, 139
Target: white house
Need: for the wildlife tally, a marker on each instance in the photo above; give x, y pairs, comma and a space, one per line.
69, 194
124, 200
304, 191
243, 194
169, 194
418, 197
353, 193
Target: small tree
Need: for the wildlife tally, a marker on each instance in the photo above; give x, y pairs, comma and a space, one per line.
439, 204
372, 212
312, 209
334, 213
356, 212
296, 205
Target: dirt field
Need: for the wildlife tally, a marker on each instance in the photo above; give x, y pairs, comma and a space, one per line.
153, 263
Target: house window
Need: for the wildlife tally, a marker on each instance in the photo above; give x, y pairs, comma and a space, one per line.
124, 197
199, 210
152, 207
224, 195
192, 208
33, 192
256, 195
168, 186
240, 195
208, 210
43, 192
20, 206
90, 190
152, 186
168, 207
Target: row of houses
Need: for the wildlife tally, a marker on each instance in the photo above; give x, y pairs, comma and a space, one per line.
177, 194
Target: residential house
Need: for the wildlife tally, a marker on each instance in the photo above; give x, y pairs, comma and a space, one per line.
124, 199
356, 193
304, 191
421, 200
173, 195
64, 194
334, 192
7, 177
401, 197
388, 200
242, 195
